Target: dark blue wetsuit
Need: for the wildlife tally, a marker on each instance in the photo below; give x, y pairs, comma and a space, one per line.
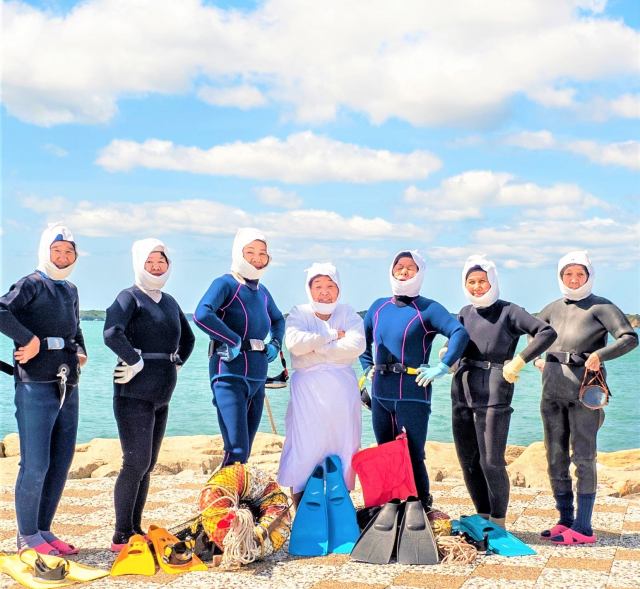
39, 306
402, 329
233, 313
481, 397
141, 406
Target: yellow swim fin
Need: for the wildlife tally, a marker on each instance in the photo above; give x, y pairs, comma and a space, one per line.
24, 573
134, 559
173, 555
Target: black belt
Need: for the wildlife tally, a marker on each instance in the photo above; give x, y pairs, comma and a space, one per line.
394, 367
247, 345
484, 364
570, 358
174, 357
57, 343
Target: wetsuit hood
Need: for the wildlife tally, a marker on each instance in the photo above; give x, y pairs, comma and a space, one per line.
144, 280
239, 265
411, 287
54, 232
322, 269
489, 297
577, 257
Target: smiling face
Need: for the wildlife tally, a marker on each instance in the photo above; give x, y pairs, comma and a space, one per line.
156, 264
323, 290
574, 276
62, 254
477, 283
256, 254
405, 268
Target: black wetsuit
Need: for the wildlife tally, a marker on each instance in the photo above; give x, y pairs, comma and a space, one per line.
141, 406
481, 397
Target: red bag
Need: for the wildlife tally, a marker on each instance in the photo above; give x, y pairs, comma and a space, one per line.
385, 472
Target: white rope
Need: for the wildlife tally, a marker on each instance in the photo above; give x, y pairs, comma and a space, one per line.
240, 545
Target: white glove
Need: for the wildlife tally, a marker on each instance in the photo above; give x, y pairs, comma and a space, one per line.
123, 373
442, 352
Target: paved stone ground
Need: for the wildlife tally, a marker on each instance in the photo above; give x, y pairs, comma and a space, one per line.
86, 517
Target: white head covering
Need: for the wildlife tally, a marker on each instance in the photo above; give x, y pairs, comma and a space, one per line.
489, 297
239, 265
144, 280
322, 269
411, 287
54, 232
578, 257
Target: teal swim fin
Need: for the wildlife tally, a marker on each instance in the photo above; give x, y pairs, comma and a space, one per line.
499, 541
343, 523
416, 542
378, 539
309, 533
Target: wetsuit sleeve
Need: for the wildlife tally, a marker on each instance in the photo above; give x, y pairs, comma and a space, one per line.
616, 323
298, 339
19, 295
79, 339
116, 321
277, 321
366, 358
541, 333
351, 345
451, 328
206, 318
187, 339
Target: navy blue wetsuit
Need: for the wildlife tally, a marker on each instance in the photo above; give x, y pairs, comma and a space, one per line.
402, 329
39, 306
481, 397
232, 313
135, 322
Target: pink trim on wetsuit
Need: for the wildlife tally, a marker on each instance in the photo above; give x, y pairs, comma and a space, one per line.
207, 328
235, 294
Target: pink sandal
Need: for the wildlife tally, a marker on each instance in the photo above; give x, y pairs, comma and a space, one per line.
63, 548
570, 538
44, 548
554, 531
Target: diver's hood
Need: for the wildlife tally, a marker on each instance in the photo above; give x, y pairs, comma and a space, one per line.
322, 269
489, 297
149, 283
411, 287
54, 232
239, 265
577, 257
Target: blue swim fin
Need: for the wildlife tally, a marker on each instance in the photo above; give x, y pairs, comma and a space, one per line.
499, 541
309, 533
343, 523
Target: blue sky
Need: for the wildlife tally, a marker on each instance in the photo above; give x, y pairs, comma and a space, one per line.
345, 130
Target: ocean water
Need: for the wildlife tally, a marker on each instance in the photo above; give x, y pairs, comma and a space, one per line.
192, 413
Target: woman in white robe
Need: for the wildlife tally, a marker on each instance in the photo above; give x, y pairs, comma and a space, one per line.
324, 339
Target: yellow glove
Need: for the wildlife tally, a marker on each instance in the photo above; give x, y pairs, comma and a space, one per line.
510, 369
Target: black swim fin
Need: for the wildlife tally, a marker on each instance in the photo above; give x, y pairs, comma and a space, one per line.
416, 542
378, 539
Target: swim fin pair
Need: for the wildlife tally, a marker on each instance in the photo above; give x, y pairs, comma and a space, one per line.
39, 571
499, 541
173, 555
413, 539
325, 520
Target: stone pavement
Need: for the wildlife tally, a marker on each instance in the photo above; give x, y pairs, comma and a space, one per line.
86, 518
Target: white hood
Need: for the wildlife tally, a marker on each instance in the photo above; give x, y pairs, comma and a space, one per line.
54, 232
411, 287
322, 269
146, 281
578, 257
239, 265
489, 297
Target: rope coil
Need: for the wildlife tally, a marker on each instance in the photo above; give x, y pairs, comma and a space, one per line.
455, 550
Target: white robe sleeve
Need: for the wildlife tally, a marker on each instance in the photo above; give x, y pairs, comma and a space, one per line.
348, 348
299, 339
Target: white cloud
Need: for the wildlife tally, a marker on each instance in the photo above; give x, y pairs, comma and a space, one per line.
627, 106
300, 158
554, 97
203, 217
243, 97
55, 150
624, 153
420, 64
272, 195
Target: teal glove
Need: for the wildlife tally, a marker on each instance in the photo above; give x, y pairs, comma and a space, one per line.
428, 373
271, 351
228, 353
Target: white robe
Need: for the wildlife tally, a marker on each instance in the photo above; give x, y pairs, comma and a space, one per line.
324, 412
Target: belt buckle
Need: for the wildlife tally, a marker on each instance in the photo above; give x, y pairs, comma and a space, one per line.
173, 357
397, 368
487, 364
566, 357
55, 343
257, 345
